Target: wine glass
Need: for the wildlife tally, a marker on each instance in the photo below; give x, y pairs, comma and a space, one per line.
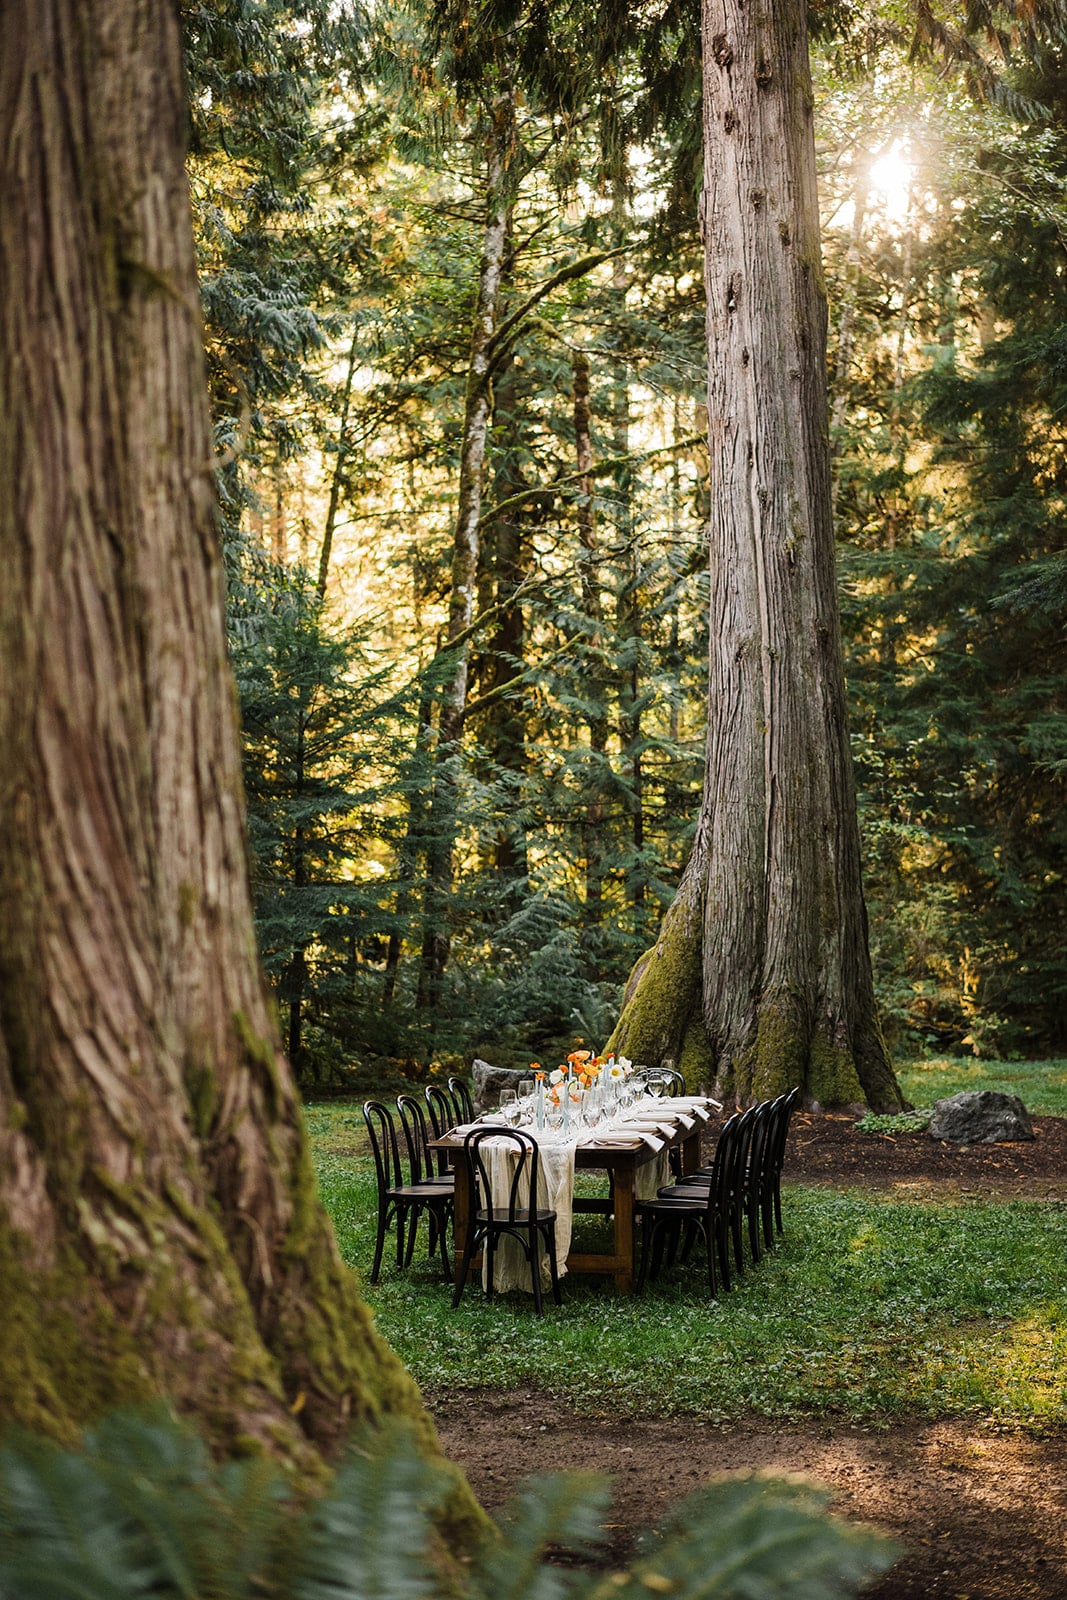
654, 1085
591, 1108
509, 1107
526, 1094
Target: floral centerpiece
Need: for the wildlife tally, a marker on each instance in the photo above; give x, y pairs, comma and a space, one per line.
582, 1071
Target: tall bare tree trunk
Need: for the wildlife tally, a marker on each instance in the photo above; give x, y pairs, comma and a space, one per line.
159, 1227
761, 976
477, 410
503, 732
592, 610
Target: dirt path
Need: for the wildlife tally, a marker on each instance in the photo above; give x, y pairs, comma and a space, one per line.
982, 1514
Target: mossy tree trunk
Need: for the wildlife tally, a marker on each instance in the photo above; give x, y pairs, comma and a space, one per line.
780, 990
159, 1227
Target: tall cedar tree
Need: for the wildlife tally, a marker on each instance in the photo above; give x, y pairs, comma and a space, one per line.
159, 1228
761, 975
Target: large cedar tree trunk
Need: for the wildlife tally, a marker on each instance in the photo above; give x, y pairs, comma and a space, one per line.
160, 1232
761, 975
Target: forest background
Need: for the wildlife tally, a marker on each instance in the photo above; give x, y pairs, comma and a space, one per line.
344, 179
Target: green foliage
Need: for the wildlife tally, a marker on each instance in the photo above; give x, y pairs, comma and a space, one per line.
143, 1511
317, 719
337, 165
894, 1122
952, 498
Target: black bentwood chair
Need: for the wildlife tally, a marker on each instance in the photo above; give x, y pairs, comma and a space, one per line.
445, 1113
401, 1199
739, 1182
531, 1228
462, 1098
758, 1183
422, 1165
698, 1210
773, 1184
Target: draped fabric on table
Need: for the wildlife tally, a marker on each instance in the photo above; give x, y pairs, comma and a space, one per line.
555, 1192
555, 1184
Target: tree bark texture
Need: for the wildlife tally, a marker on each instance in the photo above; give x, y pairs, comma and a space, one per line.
596, 677
159, 1227
786, 986
499, 199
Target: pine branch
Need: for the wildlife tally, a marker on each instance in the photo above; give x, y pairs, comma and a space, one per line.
501, 689
601, 469
509, 329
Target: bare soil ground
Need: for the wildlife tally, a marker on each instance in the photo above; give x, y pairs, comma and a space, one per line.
981, 1513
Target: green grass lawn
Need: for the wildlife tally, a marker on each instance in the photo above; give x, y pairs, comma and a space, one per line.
1040, 1085
869, 1309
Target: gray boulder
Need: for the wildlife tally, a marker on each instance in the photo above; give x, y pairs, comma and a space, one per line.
488, 1082
980, 1117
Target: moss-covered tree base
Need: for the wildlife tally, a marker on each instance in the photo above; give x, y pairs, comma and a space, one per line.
661, 1024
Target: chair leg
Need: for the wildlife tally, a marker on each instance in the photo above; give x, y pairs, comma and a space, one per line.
722, 1240
533, 1255
753, 1231
709, 1242
465, 1266
553, 1266
664, 1238
440, 1217
647, 1229
490, 1262
413, 1227
735, 1229
767, 1213
379, 1243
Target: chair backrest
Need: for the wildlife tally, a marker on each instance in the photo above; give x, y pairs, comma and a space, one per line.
762, 1142
789, 1103
414, 1123
442, 1108
525, 1161
724, 1163
383, 1142
746, 1127
462, 1098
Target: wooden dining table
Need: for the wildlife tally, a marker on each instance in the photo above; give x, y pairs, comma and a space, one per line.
621, 1161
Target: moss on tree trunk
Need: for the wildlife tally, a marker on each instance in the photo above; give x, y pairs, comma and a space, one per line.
159, 1228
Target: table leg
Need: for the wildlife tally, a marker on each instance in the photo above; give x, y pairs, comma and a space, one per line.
624, 1228
461, 1216
691, 1151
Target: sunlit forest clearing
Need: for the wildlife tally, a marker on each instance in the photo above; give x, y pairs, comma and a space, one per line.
529, 531
342, 193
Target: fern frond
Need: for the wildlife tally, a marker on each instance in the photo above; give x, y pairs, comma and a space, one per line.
754, 1539
371, 1537
555, 1512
